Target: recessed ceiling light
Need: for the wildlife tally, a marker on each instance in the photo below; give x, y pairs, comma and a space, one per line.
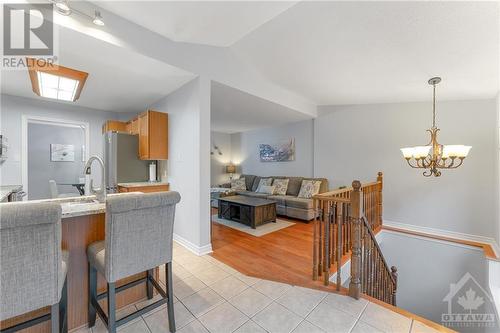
98, 19
54, 81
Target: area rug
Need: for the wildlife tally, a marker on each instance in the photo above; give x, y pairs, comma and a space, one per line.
259, 231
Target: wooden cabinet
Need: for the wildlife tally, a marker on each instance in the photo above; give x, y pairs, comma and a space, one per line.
114, 125
145, 189
133, 126
152, 129
153, 135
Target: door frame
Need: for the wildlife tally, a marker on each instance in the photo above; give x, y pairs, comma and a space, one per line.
27, 119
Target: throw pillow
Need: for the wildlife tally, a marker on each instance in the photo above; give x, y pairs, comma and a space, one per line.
309, 188
264, 182
266, 189
280, 185
238, 184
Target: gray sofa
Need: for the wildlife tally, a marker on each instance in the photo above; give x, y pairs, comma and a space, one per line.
287, 205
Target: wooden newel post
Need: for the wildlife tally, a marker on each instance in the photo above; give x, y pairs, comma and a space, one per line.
394, 273
380, 178
315, 239
355, 284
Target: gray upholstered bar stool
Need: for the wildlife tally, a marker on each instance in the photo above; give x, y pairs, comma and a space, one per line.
139, 232
33, 266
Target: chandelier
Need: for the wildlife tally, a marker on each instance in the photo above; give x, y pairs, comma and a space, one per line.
435, 156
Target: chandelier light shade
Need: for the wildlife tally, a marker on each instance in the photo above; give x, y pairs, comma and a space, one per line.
435, 156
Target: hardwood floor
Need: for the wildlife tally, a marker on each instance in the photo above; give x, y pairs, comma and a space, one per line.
284, 255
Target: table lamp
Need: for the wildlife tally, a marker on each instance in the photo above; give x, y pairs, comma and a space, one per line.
231, 169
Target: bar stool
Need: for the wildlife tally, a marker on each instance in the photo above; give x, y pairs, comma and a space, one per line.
33, 274
138, 238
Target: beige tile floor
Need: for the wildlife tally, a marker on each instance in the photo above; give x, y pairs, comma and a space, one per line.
213, 297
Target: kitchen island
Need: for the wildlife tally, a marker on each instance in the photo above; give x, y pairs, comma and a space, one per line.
83, 222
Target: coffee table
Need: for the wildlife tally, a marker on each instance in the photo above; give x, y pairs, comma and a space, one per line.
247, 210
219, 192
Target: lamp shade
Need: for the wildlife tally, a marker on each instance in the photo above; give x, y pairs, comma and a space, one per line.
456, 151
230, 168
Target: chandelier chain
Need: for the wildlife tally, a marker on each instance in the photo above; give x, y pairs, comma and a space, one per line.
434, 105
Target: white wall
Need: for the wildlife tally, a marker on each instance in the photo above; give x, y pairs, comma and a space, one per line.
245, 150
12, 110
497, 167
188, 163
494, 282
218, 162
354, 142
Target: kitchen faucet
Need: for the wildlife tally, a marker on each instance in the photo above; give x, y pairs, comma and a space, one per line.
100, 193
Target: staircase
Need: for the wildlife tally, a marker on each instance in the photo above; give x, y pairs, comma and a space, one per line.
344, 229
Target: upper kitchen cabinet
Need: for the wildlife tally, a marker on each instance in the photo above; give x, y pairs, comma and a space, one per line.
132, 126
153, 135
152, 130
114, 126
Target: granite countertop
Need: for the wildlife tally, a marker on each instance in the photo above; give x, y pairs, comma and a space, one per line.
142, 184
6, 190
78, 206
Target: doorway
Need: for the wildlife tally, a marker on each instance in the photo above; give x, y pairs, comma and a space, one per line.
54, 152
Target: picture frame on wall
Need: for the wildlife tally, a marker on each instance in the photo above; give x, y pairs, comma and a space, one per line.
277, 152
62, 153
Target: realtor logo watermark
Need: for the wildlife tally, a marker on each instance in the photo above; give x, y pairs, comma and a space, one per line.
469, 305
28, 31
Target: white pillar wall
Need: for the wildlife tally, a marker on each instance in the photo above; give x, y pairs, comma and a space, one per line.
189, 161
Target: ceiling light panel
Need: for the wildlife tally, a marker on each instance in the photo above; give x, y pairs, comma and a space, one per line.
56, 82
56, 87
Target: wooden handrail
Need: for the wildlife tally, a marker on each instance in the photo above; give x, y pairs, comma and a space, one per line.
334, 193
337, 199
343, 227
372, 235
376, 278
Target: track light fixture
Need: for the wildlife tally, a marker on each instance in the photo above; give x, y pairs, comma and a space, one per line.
98, 19
63, 8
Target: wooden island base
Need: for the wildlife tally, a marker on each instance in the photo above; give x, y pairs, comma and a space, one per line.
77, 234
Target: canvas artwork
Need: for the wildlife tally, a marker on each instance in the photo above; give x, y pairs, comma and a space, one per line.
62, 153
277, 152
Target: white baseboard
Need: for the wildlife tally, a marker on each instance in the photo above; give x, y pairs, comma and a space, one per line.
198, 250
445, 233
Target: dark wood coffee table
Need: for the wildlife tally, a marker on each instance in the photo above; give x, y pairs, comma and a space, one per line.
247, 210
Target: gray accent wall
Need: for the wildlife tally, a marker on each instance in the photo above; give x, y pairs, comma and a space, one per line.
355, 142
40, 167
218, 162
245, 150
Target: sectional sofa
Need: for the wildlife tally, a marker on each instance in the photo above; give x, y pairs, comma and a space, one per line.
288, 205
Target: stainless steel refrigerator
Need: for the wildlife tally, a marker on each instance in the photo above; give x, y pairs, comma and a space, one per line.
122, 163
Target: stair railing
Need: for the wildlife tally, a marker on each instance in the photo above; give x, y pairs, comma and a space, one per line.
340, 233
370, 274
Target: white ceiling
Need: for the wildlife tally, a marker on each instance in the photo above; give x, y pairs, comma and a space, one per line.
233, 111
330, 52
374, 52
217, 23
119, 80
